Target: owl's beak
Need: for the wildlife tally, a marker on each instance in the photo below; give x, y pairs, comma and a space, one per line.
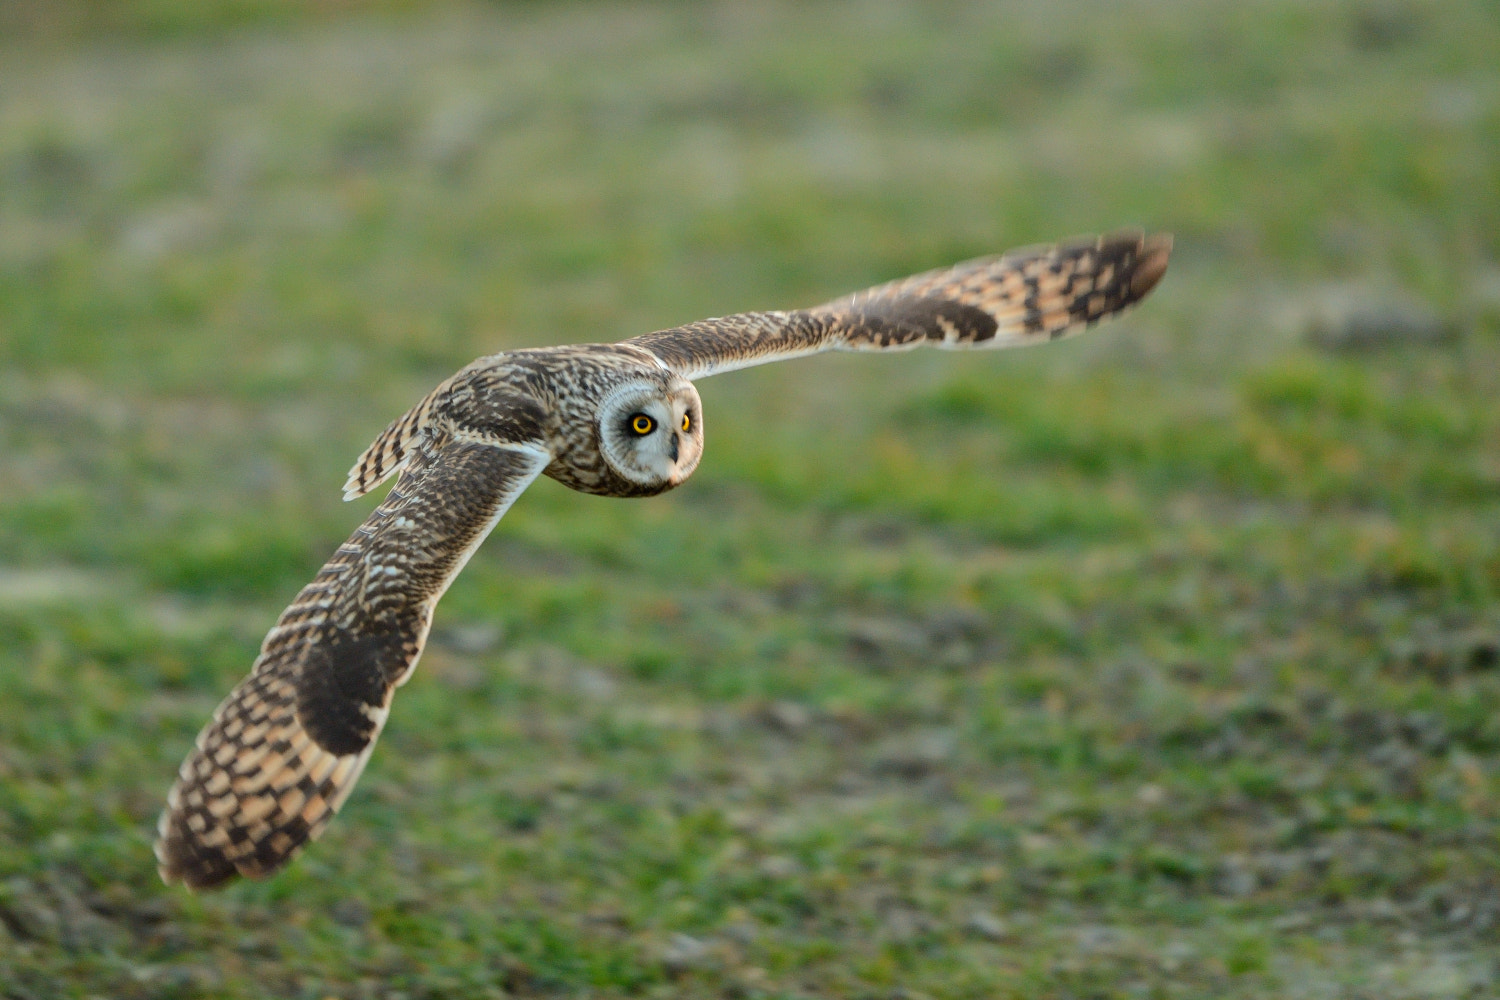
672, 451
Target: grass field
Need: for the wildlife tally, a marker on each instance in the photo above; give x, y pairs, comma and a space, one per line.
1164, 662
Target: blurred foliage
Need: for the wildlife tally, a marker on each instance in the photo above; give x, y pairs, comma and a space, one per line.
51, 20
1160, 662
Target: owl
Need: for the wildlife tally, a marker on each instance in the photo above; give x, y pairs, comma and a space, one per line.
284, 749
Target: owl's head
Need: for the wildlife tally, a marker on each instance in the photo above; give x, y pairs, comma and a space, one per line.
651, 432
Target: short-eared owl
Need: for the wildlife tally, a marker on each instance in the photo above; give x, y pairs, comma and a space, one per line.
620, 420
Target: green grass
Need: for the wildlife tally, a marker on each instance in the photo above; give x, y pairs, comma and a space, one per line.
1163, 662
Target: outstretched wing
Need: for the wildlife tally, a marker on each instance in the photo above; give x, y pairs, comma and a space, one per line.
1023, 297
284, 749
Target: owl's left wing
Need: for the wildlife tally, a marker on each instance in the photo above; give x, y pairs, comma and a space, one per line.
1023, 297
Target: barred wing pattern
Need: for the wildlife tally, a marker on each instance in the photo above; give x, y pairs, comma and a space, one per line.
389, 452
284, 749
1023, 297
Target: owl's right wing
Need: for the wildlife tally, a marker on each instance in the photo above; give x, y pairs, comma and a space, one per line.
285, 748
1026, 296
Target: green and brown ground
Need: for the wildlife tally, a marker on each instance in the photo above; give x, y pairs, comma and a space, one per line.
1164, 662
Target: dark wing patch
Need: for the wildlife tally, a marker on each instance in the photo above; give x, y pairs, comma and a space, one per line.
344, 682
1023, 297
908, 322
285, 748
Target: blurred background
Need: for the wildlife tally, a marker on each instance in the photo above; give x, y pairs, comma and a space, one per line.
1162, 662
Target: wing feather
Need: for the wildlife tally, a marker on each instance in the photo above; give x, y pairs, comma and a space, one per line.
1023, 297
284, 749
389, 452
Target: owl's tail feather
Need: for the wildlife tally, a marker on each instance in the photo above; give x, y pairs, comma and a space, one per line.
388, 453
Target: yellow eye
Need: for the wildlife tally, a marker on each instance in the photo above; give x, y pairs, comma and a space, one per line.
642, 424
687, 422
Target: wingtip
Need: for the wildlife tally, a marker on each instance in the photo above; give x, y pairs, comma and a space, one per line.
178, 863
1155, 251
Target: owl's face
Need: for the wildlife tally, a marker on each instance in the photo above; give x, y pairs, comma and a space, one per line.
652, 434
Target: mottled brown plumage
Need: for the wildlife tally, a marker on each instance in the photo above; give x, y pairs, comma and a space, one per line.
1023, 297
283, 750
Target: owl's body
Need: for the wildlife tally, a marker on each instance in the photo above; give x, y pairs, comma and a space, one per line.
620, 420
